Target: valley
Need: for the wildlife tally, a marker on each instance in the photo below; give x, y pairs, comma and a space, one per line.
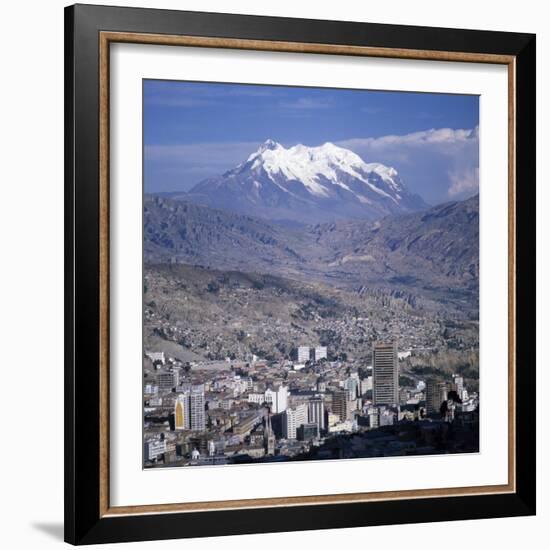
428, 259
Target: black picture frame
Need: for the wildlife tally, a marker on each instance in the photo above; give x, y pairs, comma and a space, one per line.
84, 523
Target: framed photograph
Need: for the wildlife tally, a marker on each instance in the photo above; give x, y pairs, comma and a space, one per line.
300, 274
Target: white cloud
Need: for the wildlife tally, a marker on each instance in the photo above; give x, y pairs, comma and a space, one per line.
464, 183
305, 103
179, 167
193, 94
438, 137
430, 162
179, 101
215, 153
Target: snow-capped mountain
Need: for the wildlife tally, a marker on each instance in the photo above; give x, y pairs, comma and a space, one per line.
307, 184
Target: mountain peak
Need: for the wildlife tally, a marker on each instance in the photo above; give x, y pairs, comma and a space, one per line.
313, 183
329, 146
269, 145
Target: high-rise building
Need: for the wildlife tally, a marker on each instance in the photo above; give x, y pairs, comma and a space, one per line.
189, 409
352, 385
436, 393
385, 374
181, 412
340, 404
320, 352
197, 408
316, 413
277, 399
302, 354
293, 419
366, 385
167, 380
458, 385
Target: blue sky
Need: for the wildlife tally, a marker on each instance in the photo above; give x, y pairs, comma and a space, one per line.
194, 130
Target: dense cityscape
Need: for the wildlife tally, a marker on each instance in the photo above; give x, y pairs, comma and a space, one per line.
307, 407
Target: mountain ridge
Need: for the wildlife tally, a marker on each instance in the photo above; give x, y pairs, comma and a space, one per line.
306, 185
433, 253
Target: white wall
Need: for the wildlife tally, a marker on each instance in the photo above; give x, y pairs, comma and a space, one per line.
31, 234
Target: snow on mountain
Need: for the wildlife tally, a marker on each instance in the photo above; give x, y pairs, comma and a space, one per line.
307, 184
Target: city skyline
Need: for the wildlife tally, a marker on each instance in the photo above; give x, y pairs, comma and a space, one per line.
294, 418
